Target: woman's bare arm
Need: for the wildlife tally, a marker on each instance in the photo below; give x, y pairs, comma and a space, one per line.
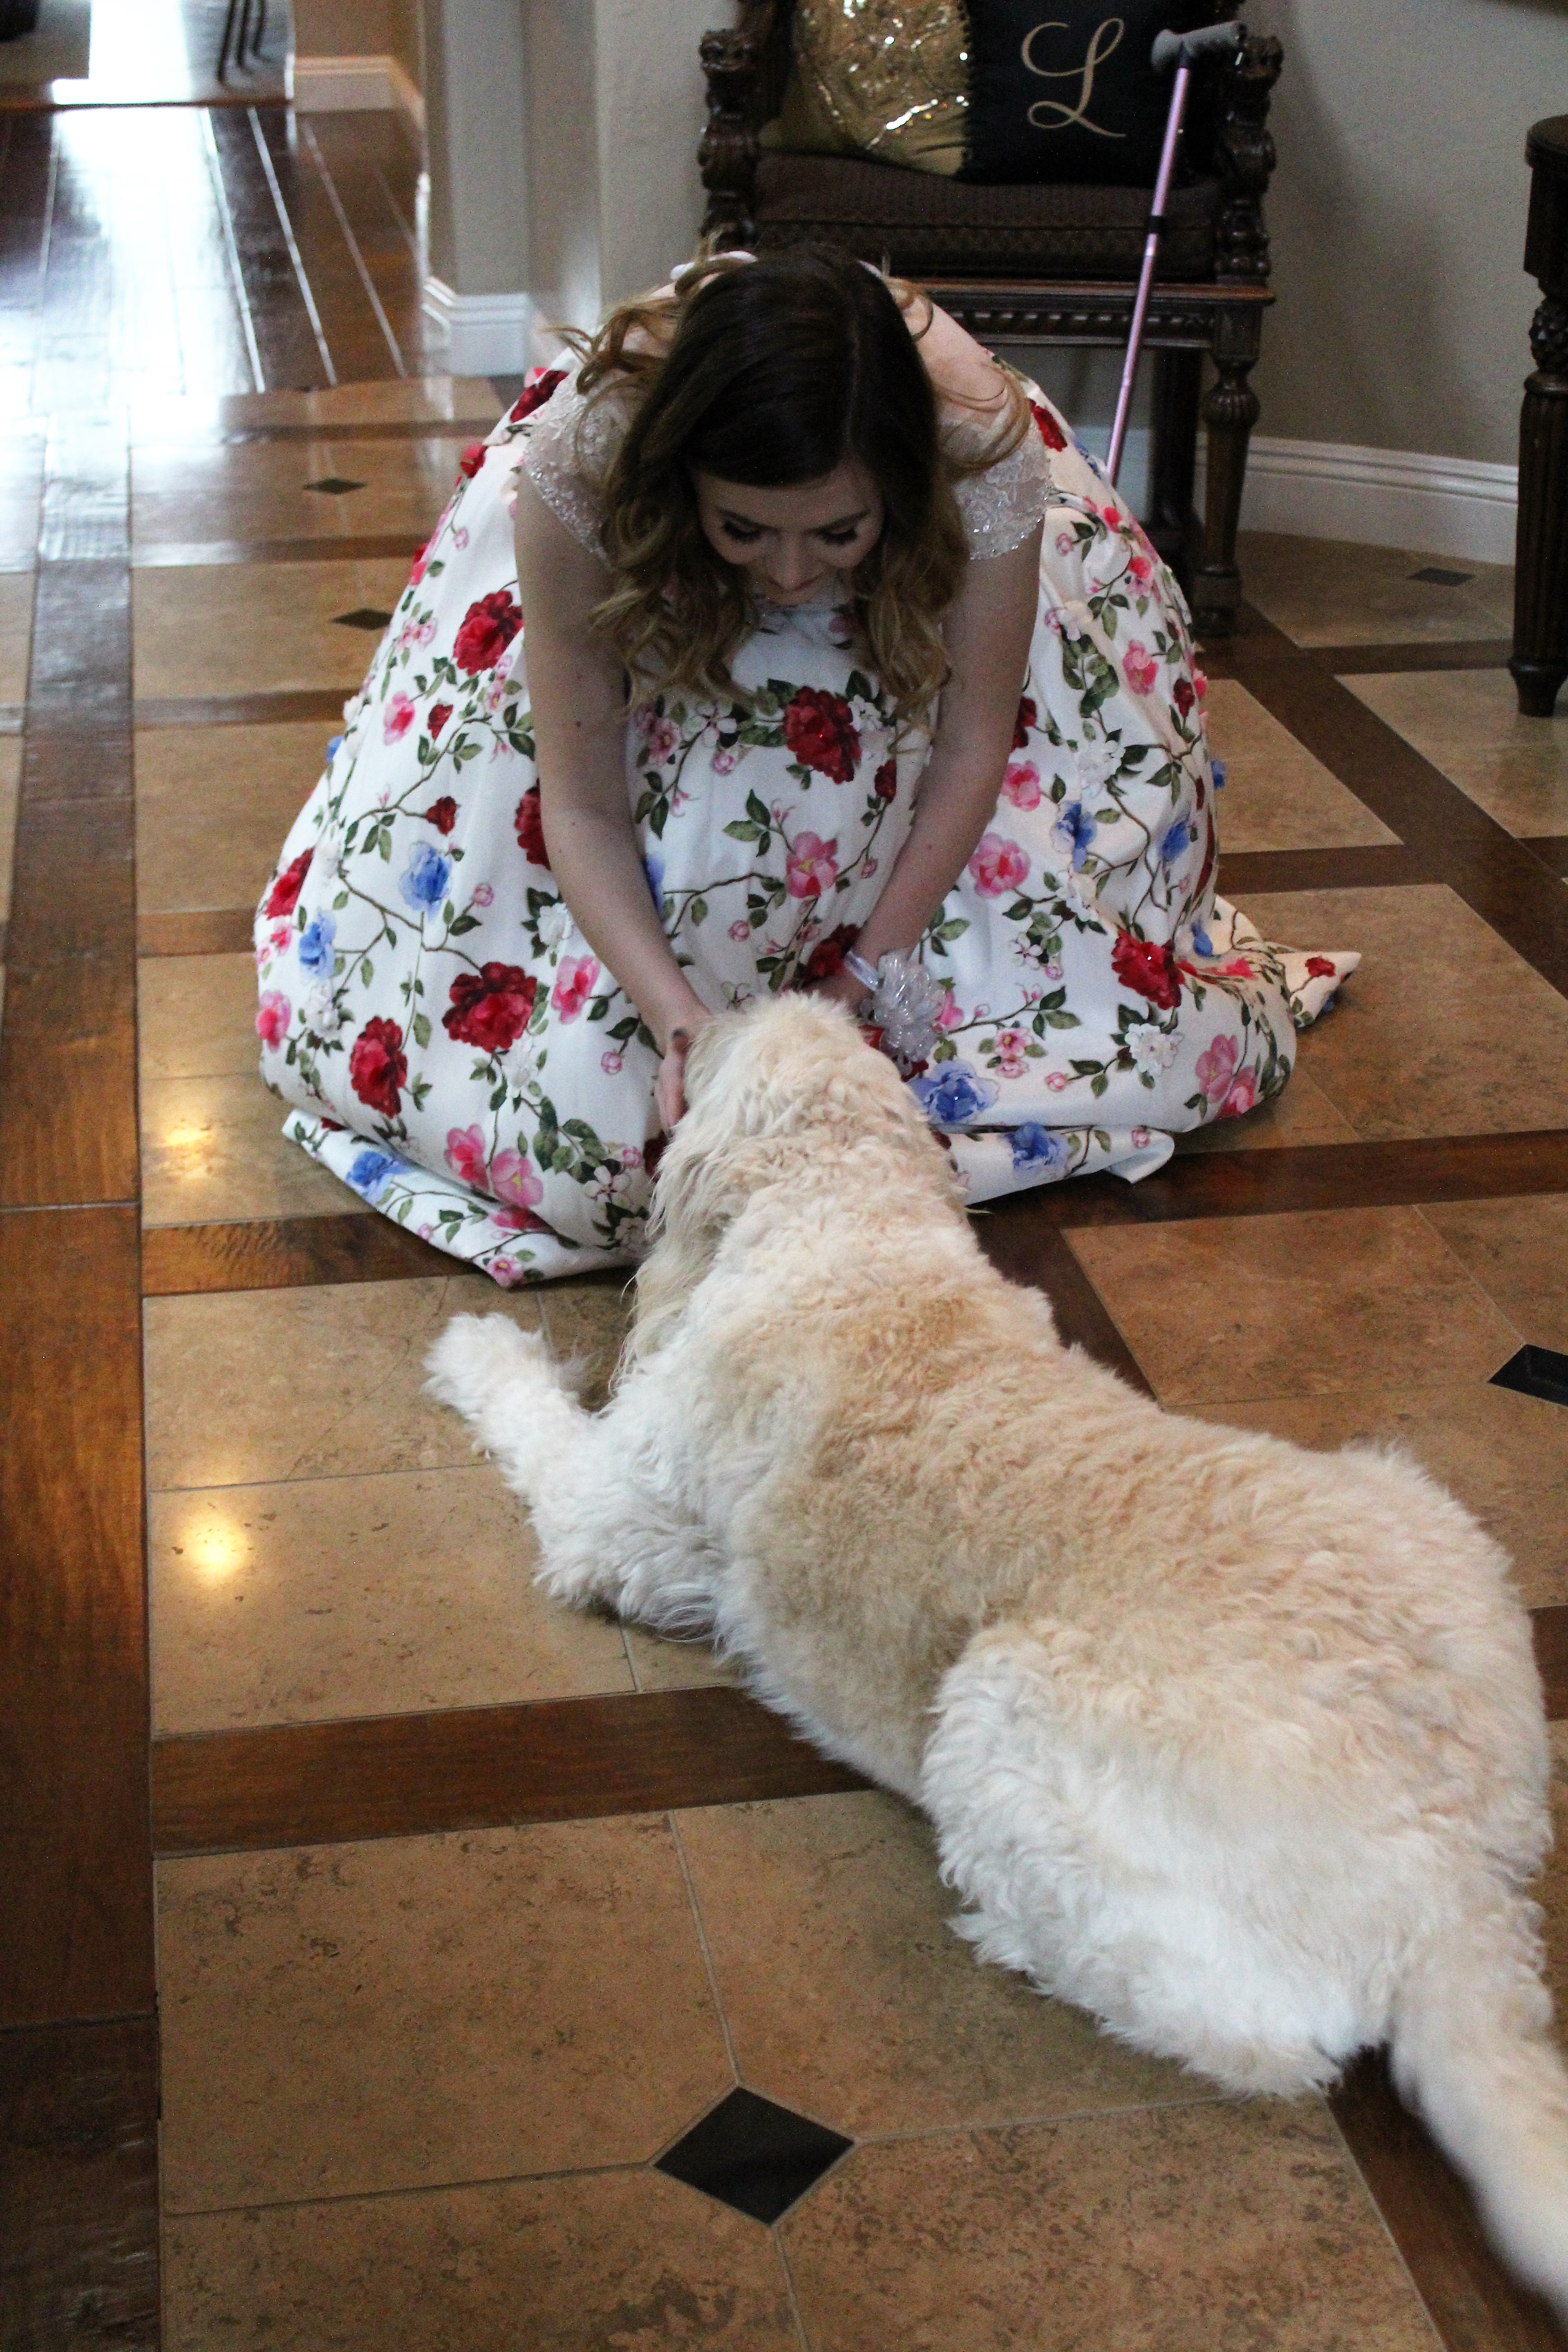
578, 692
988, 632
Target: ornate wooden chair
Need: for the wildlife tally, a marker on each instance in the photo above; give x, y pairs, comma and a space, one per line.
1048, 265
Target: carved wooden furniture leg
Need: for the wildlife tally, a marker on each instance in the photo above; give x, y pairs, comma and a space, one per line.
1178, 382
1229, 411
1540, 663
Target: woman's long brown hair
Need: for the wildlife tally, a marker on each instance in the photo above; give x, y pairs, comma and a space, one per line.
773, 372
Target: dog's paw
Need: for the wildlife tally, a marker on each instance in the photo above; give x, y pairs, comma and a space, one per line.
476, 1356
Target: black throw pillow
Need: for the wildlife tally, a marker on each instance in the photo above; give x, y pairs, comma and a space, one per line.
1063, 91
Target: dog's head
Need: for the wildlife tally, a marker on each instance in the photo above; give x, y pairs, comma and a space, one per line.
786, 1099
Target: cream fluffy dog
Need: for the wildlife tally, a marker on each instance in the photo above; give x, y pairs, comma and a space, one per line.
1239, 1747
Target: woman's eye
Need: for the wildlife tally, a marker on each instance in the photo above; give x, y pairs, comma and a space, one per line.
743, 537
840, 538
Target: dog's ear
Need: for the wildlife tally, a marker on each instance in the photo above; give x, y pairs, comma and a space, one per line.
697, 1192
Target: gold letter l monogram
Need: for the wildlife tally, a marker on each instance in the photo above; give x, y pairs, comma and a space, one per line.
1055, 113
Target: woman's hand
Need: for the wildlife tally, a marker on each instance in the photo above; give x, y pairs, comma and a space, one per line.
669, 1092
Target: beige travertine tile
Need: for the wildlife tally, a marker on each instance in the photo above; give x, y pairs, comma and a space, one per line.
1444, 1030
260, 489
421, 2012
1245, 1307
659, 1664
1466, 722
1277, 796
381, 1595
847, 1997
1302, 1114
213, 807
213, 1150
246, 1387
1179, 2230
1518, 1251
16, 634
439, 397
10, 783
1504, 1455
256, 628
611, 2262
1332, 591
588, 1319
195, 1017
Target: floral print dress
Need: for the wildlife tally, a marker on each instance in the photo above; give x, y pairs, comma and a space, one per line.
454, 1051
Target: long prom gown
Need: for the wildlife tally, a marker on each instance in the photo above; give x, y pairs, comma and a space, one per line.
451, 1047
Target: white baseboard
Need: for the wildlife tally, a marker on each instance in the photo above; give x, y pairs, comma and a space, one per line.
491, 334
1385, 497
356, 85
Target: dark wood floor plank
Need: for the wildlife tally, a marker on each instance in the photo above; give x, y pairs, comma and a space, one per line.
239, 433
1550, 1626
360, 351
1040, 1257
217, 931
240, 709
68, 1083
1552, 848
1456, 840
368, 157
74, 1854
285, 338
177, 555
79, 2187
1474, 2305
1428, 654
1374, 868
285, 1253
559, 1759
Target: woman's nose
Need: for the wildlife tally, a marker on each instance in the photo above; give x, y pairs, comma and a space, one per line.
792, 563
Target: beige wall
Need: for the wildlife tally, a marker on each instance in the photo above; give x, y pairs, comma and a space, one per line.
342, 28
1398, 219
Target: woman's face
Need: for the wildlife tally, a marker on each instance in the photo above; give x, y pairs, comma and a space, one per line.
794, 545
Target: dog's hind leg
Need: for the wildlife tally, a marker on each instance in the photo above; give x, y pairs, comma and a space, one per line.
508, 1389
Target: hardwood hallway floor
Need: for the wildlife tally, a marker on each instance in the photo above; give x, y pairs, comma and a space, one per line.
391, 1958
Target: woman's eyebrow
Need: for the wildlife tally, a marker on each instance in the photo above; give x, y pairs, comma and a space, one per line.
842, 523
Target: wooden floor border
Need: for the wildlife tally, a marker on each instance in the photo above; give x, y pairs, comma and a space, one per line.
324, 703
1424, 654
165, 555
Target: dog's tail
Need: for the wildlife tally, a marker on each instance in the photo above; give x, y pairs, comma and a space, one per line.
1473, 2053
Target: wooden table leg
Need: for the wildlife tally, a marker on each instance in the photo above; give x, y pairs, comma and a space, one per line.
1540, 663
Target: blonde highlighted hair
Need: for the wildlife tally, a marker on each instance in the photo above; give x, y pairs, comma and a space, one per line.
772, 372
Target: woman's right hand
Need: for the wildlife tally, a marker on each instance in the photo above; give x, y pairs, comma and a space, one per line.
669, 1091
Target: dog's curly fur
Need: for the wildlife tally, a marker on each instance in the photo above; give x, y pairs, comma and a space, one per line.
1240, 1746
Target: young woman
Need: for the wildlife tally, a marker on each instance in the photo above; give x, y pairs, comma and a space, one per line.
841, 660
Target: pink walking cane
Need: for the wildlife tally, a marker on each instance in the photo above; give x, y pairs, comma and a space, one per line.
1178, 49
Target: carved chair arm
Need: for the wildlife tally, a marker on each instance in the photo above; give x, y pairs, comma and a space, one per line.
736, 67
1244, 156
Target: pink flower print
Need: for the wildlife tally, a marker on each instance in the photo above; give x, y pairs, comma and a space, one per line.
1140, 668
741, 932
466, 1154
1010, 1044
997, 865
574, 985
517, 1184
723, 763
278, 937
951, 1015
631, 1155
1021, 785
506, 1271
484, 894
1201, 683
273, 1017
662, 740
1066, 542
1140, 570
1242, 1095
1056, 1081
812, 866
1216, 1067
421, 558
610, 1064
1138, 1138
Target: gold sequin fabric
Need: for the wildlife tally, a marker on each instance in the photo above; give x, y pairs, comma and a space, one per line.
891, 76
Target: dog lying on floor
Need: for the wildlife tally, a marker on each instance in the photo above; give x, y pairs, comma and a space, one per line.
1239, 1747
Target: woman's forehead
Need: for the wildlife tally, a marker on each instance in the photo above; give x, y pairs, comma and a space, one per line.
848, 491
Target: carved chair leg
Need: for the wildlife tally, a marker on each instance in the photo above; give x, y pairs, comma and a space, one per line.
1540, 663
1229, 412
1178, 381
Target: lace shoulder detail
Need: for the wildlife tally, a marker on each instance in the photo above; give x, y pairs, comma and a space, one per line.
570, 448
1000, 506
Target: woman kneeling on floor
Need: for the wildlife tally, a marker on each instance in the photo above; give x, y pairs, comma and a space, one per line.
843, 668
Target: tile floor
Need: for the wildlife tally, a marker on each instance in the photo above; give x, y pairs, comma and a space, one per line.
415, 2086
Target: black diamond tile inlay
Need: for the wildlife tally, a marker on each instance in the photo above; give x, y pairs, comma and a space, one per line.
1537, 1373
1435, 576
754, 2156
364, 616
334, 485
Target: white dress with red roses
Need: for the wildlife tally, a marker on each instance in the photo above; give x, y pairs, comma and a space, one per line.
454, 1051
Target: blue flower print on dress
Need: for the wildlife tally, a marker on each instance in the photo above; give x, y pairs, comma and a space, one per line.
1217, 771
954, 1093
1202, 943
1038, 1147
1073, 831
315, 951
423, 882
373, 1171
1175, 842
654, 868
